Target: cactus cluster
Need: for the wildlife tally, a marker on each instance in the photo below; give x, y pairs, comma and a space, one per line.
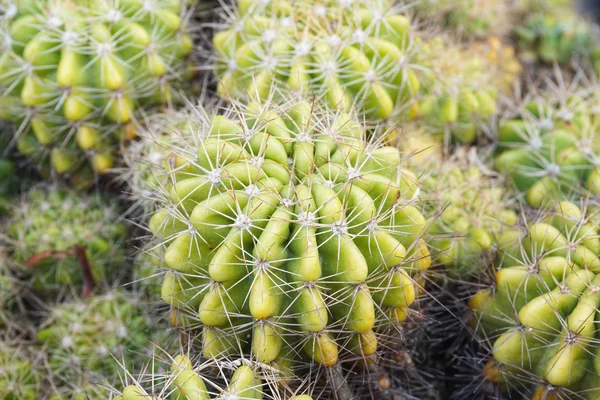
469, 209
51, 229
288, 229
540, 317
348, 54
74, 73
20, 377
549, 148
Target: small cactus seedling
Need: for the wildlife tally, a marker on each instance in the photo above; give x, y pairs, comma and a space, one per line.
20, 378
458, 94
470, 209
549, 149
288, 227
541, 316
86, 340
62, 238
347, 53
73, 73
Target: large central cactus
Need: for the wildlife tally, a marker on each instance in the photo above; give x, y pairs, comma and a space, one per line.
288, 226
347, 52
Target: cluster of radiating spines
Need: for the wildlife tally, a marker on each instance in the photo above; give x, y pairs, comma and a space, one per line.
540, 316
468, 18
185, 380
20, 377
289, 230
458, 94
559, 34
57, 236
74, 73
86, 341
349, 53
549, 148
470, 208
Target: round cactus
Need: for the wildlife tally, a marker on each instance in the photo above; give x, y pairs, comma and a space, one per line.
54, 232
469, 18
541, 315
73, 73
86, 340
290, 229
470, 208
351, 53
20, 378
549, 148
459, 92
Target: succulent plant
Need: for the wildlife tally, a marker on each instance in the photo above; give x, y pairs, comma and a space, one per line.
470, 208
289, 229
20, 378
458, 93
74, 73
7, 170
559, 34
53, 233
540, 316
469, 18
351, 53
549, 147
86, 340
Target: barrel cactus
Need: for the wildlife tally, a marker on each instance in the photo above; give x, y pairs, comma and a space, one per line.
73, 74
540, 319
470, 209
290, 236
549, 147
347, 53
459, 93
53, 233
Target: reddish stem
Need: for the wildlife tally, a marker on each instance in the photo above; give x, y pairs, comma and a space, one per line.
86, 271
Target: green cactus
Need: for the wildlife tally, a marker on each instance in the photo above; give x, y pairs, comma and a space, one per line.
558, 34
20, 377
470, 208
541, 317
469, 18
86, 340
349, 54
73, 73
8, 181
290, 229
549, 148
51, 229
459, 91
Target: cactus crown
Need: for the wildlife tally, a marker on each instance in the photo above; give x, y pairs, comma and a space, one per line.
549, 148
289, 227
74, 72
49, 223
349, 53
541, 316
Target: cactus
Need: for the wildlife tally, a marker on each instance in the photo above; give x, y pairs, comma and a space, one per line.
288, 228
349, 54
558, 34
8, 181
86, 339
74, 73
541, 316
20, 377
549, 147
470, 208
469, 18
459, 91
53, 233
